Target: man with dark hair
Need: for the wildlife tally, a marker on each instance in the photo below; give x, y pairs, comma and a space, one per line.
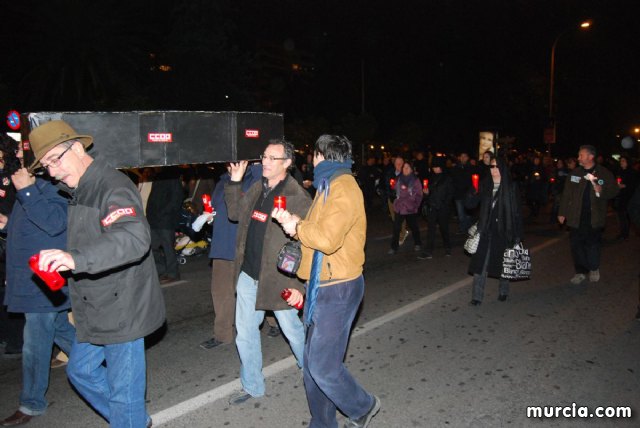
462, 184
421, 165
258, 242
222, 254
634, 213
368, 175
38, 220
11, 324
115, 294
439, 194
584, 208
332, 236
163, 212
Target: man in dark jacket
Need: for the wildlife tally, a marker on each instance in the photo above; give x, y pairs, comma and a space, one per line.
369, 175
258, 242
584, 207
462, 184
11, 325
38, 220
439, 194
115, 294
163, 212
634, 213
222, 254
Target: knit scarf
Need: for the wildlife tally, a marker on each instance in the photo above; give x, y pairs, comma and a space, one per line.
325, 169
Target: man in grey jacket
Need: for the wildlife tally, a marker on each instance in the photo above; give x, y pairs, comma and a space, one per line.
259, 282
115, 294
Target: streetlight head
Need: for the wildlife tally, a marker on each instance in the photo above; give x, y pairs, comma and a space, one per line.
586, 24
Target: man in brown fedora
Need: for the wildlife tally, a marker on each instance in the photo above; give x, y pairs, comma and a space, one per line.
115, 294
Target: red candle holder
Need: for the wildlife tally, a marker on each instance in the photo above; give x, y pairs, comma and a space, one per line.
425, 184
619, 179
280, 202
53, 279
392, 183
475, 180
286, 293
206, 203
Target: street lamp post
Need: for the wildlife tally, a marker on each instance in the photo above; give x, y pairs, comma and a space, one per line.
584, 25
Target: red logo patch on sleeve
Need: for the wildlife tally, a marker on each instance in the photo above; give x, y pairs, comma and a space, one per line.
116, 214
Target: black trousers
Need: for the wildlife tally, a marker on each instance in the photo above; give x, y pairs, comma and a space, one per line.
439, 218
412, 222
586, 245
162, 245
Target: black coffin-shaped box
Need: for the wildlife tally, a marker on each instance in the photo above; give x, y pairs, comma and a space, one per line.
161, 138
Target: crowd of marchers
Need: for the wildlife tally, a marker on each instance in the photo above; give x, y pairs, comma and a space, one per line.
117, 239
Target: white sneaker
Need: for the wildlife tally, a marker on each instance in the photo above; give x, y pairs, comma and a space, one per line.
578, 278
594, 275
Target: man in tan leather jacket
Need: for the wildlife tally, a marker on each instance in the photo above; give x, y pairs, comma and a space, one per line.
332, 235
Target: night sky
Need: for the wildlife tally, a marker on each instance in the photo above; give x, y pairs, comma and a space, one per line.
434, 72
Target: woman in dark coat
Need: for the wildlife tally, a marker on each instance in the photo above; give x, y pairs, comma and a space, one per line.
500, 227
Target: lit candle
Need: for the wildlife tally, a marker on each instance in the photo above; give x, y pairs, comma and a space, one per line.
280, 202
425, 184
475, 180
392, 183
206, 203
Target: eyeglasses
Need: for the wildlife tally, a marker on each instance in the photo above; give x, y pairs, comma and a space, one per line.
271, 158
55, 162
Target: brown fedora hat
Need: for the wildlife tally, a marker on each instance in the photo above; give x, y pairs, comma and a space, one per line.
48, 135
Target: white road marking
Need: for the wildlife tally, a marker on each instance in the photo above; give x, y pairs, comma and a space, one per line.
215, 394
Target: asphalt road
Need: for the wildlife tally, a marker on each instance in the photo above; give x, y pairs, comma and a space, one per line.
434, 360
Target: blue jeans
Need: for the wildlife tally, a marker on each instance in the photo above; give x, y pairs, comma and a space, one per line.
248, 321
328, 383
464, 221
117, 390
41, 331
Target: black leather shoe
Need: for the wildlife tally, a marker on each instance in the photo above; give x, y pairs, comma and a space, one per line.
18, 418
12, 355
363, 421
502, 297
239, 397
211, 343
475, 302
274, 331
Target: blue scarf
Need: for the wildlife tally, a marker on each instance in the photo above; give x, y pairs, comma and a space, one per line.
325, 169
322, 173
